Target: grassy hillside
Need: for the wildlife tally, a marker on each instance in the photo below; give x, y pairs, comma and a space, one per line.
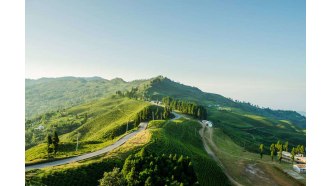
49, 94
90, 171
98, 124
162, 86
248, 168
161, 137
250, 131
181, 137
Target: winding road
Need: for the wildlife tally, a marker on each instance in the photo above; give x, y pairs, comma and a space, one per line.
118, 143
121, 141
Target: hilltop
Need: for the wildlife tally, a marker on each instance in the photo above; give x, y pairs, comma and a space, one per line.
47, 94
160, 87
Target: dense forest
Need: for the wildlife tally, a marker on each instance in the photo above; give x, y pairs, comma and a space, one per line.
186, 107
145, 168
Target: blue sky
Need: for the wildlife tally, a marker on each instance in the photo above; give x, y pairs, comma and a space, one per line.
247, 50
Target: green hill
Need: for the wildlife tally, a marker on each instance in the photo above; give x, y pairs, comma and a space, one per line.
162, 86
49, 94
90, 107
247, 124
98, 124
182, 137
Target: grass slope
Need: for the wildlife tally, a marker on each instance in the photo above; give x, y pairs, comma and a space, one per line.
181, 137
247, 168
86, 173
49, 94
250, 131
162, 86
104, 119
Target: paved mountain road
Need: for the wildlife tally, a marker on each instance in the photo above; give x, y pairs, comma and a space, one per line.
118, 143
121, 141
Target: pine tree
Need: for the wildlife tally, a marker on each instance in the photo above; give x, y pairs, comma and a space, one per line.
261, 148
293, 153
148, 182
272, 150
49, 143
286, 146
56, 141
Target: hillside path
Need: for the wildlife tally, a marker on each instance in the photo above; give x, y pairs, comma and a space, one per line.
118, 143
212, 154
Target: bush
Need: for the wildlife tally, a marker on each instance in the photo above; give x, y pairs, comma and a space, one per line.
113, 178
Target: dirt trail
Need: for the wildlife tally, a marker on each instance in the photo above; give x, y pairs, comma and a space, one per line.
212, 154
257, 173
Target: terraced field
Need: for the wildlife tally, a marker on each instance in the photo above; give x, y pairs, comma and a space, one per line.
106, 121
181, 137
248, 130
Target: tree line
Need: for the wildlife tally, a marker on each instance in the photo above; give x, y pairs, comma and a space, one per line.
152, 112
186, 107
279, 147
133, 93
146, 169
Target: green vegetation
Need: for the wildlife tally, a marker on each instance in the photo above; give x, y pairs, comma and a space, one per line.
293, 153
161, 87
85, 174
272, 150
107, 119
113, 178
49, 94
90, 171
152, 112
249, 131
144, 168
181, 137
52, 144
261, 148
279, 148
246, 167
102, 118
186, 107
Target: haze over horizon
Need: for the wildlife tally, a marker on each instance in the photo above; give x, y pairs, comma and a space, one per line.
251, 51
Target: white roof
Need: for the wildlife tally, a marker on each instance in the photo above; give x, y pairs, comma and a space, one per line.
285, 153
300, 166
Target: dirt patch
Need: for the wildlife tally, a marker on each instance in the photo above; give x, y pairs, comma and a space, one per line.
248, 170
256, 175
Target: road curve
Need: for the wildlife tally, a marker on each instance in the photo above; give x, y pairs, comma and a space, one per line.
118, 143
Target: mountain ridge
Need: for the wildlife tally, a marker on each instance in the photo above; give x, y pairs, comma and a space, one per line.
84, 89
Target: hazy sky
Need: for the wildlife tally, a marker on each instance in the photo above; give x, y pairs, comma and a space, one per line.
247, 50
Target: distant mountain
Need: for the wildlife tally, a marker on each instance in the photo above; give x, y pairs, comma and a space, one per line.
47, 94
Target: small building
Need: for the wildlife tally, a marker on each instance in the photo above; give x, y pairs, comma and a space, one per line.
287, 157
40, 127
300, 168
300, 159
207, 123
